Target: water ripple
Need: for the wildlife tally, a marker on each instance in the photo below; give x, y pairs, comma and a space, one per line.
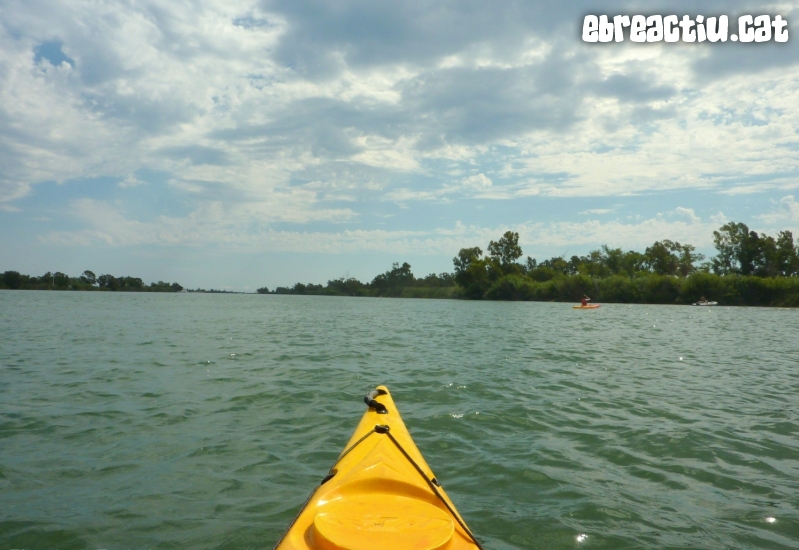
203, 421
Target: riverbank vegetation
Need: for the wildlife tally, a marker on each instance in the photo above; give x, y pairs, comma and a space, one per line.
398, 282
749, 269
87, 281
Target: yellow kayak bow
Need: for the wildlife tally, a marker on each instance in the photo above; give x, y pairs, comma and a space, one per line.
380, 494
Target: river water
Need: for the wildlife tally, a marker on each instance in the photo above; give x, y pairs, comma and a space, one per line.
132, 421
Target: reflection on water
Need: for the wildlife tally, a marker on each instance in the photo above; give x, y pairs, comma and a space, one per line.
203, 421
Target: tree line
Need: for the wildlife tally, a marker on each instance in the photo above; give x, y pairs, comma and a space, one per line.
399, 281
741, 252
86, 281
750, 268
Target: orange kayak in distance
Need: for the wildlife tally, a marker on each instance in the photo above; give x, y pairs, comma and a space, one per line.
379, 495
589, 306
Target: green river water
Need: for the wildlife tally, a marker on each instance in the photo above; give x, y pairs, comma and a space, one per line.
135, 421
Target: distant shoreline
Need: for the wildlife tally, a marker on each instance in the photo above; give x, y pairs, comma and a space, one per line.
728, 290
87, 281
513, 291
750, 269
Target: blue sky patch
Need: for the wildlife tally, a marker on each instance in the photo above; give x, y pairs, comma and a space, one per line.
52, 51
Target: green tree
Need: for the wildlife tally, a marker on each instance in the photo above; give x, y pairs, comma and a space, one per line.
463, 261
60, 280
437, 280
506, 250
738, 248
745, 252
12, 279
660, 259
399, 276
133, 283
613, 258
633, 263
559, 265
110, 282
88, 278
262, 290
576, 262
46, 280
671, 258
595, 264
787, 255
348, 286
686, 258
471, 272
766, 261
752, 254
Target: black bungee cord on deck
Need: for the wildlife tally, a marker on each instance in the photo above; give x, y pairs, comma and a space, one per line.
433, 483
370, 401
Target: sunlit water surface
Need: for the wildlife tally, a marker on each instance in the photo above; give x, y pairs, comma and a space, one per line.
133, 421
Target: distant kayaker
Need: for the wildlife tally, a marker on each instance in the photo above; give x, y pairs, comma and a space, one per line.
585, 300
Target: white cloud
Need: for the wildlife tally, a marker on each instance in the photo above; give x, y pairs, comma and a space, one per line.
256, 121
477, 185
403, 195
687, 214
746, 189
211, 223
214, 224
131, 181
477, 181
787, 210
636, 236
152, 76
596, 211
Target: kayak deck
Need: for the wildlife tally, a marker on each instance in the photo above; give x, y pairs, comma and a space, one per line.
380, 493
592, 306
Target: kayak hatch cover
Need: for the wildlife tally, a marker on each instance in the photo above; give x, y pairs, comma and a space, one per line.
380, 494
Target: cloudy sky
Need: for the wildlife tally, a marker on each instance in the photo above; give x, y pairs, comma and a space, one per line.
241, 143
